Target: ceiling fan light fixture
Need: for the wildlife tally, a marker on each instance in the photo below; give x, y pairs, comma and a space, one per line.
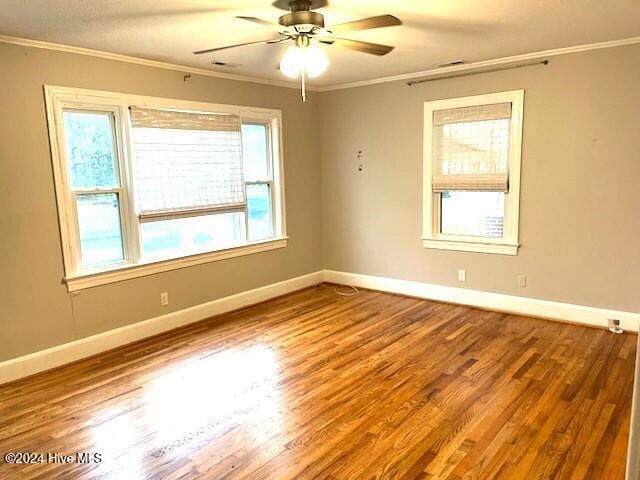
316, 61
291, 61
306, 28
308, 58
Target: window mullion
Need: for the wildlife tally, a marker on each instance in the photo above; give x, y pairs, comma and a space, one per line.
98, 191
245, 230
176, 214
123, 199
259, 182
133, 245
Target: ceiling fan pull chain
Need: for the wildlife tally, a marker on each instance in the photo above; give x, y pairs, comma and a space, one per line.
305, 28
304, 83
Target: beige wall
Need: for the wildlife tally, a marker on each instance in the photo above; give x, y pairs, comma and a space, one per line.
36, 311
579, 221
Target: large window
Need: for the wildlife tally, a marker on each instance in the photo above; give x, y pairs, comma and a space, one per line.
146, 184
472, 173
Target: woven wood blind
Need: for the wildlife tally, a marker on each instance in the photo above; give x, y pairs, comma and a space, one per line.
471, 148
180, 120
186, 163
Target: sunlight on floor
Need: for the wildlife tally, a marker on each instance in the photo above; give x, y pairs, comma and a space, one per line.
230, 387
191, 404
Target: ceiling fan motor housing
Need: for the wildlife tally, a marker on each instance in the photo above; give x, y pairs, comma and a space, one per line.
301, 15
304, 25
304, 17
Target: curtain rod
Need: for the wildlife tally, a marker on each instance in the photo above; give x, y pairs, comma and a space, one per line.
480, 70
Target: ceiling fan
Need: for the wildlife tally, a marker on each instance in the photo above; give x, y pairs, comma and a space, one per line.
305, 29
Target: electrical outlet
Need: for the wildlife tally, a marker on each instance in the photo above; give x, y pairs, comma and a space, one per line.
522, 281
462, 275
164, 299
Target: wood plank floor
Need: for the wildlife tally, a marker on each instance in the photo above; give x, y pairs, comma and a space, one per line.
314, 385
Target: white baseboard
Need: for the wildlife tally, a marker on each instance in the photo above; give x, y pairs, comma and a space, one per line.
597, 317
85, 347
70, 352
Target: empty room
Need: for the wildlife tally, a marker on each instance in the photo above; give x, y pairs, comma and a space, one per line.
319, 239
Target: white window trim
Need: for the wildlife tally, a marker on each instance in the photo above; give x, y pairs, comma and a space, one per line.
127, 272
59, 98
431, 236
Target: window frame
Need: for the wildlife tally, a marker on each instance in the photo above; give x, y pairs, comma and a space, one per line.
271, 180
432, 237
61, 99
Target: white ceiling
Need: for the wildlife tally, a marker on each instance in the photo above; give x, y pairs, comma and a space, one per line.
435, 32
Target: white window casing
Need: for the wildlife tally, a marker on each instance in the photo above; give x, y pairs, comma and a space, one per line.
216, 121
448, 167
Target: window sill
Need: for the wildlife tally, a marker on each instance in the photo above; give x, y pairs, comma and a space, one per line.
479, 247
84, 281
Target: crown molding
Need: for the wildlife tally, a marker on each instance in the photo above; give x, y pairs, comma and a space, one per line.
470, 67
27, 42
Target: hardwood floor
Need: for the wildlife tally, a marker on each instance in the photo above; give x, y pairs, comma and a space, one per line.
314, 385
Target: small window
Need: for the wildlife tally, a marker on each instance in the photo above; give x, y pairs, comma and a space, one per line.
259, 184
472, 173
92, 163
141, 180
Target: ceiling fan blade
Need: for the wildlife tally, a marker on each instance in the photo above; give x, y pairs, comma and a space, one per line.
366, 24
264, 23
259, 42
365, 47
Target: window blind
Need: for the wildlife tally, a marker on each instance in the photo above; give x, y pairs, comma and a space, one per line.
471, 148
186, 163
